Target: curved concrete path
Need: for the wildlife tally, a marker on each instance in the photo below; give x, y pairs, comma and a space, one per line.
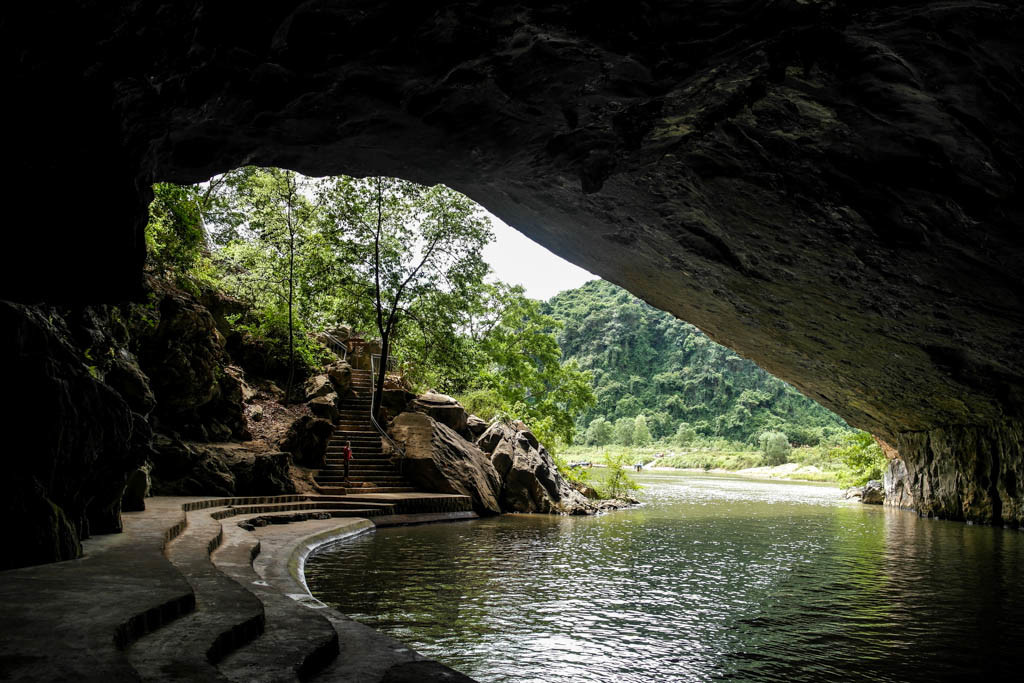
185, 593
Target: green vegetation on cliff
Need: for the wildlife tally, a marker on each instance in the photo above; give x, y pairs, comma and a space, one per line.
658, 378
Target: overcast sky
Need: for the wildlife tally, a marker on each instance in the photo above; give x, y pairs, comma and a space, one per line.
518, 260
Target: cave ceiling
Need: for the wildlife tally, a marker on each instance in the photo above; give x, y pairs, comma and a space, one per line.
831, 188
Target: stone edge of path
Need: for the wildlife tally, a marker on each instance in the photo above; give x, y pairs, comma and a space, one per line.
281, 562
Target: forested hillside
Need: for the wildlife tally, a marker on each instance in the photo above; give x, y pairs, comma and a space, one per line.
646, 362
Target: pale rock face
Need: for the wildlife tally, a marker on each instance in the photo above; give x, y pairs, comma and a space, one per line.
439, 459
442, 408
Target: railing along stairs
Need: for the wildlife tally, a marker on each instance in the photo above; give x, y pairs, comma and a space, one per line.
339, 347
374, 363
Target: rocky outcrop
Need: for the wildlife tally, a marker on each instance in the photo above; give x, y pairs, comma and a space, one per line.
72, 444
188, 468
966, 473
183, 354
873, 493
897, 488
530, 480
437, 459
307, 439
444, 409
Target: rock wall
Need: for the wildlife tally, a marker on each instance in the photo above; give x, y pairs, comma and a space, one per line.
505, 470
89, 385
965, 473
71, 442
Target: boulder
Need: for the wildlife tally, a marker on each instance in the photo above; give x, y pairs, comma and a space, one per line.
340, 374
530, 479
317, 386
188, 468
137, 489
306, 439
874, 493
127, 379
444, 409
493, 436
854, 492
475, 426
438, 459
326, 407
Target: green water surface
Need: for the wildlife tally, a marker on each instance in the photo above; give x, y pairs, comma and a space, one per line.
713, 578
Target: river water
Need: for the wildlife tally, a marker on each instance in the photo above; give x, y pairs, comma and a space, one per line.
712, 578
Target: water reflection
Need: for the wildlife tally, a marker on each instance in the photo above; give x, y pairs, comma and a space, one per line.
713, 579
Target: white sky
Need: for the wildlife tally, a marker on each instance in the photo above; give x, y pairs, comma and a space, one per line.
518, 260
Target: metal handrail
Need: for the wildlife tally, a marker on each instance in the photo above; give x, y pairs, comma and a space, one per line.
374, 360
339, 347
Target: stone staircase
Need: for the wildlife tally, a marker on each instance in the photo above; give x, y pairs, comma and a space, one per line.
370, 470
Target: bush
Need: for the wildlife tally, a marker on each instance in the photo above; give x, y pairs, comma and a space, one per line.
618, 483
862, 458
775, 447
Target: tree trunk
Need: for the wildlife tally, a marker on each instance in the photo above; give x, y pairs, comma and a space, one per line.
385, 352
291, 334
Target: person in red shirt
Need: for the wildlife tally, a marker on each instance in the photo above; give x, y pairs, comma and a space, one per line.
346, 453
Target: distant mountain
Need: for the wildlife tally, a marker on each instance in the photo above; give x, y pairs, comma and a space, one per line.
646, 361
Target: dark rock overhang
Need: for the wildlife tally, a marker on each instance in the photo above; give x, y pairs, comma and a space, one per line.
830, 188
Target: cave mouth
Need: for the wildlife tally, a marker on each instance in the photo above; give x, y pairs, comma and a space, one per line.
832, 192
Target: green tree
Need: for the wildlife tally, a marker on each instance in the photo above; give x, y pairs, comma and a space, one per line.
175, 237
641, 433
685, 435
420, 253
862, 458
775, 447
520, 361
599, 432
618, 482
624, 427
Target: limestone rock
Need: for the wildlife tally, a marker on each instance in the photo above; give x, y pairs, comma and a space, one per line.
73, 441
184, 358
873, 493
475, 426
137, 489
326, 407
897, 487
189, 468
967, 472
444, 409
317, 386
438, 459
125, 377
530, 479
494, 435
307, 439
340, 374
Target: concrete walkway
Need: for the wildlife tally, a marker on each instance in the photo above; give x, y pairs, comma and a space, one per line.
185, 593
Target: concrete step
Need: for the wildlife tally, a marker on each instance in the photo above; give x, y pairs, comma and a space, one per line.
297, 642
380, 489
339, 480
297, 507
227, 616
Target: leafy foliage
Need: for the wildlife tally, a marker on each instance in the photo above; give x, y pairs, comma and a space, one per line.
862, 457
775, 447
647, 362
618, 483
